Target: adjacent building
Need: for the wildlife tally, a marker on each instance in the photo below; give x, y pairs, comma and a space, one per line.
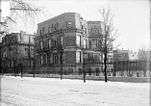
130, 66
17, 51
95, 33
120, 55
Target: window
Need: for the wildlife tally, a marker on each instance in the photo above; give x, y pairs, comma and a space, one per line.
5, 54
51, 59
82, 27
41, 45
84, 43
41, 59
26, 51
52, 27
49, 43
49, 29
43, 30
55, 43
61, 40
94, 30
93, 44
56, 26
80, 71
78, 40
90, 44
46, 56
40, 32
69, 24
78, 57
55, 59
85, 30
87, 43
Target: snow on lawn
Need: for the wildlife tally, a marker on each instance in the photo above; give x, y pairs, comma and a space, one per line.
29, 91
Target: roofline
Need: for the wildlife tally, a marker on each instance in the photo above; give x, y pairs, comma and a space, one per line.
57, 16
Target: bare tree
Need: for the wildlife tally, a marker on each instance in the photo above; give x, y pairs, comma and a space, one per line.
20, 5
142, 54
17, 7
107, 36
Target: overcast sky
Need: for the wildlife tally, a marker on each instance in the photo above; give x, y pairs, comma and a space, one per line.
131, 17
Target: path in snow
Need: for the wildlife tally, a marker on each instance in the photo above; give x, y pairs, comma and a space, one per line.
29, 91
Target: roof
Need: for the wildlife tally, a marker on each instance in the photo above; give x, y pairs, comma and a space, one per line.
58, 16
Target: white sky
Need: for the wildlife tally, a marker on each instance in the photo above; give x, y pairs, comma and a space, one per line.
131, 18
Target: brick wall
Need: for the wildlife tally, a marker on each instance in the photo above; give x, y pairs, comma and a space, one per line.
69, 57
60, 22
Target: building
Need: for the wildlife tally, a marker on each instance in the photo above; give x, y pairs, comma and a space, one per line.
16, 51
129, 66
144, 55
120, 61
120, 55
61, 39
95, 30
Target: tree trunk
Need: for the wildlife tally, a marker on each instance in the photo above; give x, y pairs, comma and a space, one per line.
61, 64
105, 66
34, 67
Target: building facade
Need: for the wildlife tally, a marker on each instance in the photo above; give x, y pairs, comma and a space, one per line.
120, 55
17, 51
132, 68
95, 31
129, 67
63, 41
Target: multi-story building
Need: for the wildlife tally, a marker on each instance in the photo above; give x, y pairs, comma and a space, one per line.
61, 39
95, 57
16, 51
66, 38
95, 30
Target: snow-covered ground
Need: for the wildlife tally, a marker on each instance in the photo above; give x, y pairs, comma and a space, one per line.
27, 91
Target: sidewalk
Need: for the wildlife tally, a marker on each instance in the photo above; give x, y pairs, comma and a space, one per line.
91, 77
